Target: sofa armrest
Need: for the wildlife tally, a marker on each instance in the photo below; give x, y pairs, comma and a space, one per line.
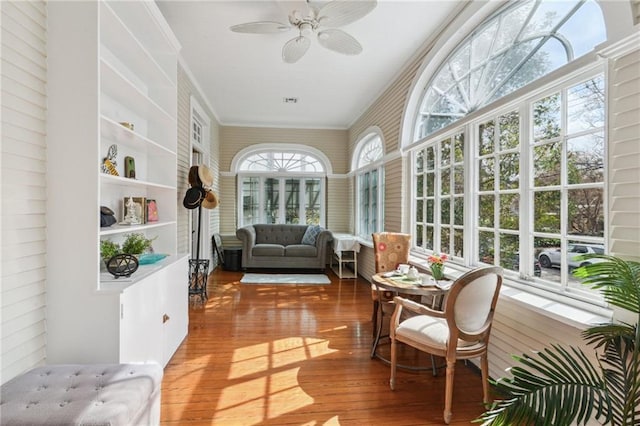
247, 235
323, 239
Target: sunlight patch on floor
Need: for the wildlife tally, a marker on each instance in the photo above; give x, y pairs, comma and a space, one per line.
256, 359
263, 398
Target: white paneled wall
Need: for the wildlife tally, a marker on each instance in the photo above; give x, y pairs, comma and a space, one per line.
624, 154
24, 156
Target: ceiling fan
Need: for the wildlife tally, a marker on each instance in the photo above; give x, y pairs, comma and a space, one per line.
321, 21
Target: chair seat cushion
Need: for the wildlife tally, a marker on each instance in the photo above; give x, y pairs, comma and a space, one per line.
429, 331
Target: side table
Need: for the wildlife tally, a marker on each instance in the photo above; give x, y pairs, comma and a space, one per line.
345, 252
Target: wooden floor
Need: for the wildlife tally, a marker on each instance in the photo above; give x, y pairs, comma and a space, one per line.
298, 355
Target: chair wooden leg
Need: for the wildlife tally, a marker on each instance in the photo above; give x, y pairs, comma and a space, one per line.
374, 316
484, 368
392, 380
448, 392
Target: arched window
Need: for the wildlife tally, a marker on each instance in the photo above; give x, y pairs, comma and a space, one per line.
281, 185
368, 168
521, 43
521, 183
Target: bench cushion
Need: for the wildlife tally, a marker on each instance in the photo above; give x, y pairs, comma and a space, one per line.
77, 394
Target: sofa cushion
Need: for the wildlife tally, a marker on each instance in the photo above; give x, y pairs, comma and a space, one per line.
268, 250
311, 234
282, 234
300, 250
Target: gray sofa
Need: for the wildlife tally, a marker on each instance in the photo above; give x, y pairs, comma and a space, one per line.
282, 246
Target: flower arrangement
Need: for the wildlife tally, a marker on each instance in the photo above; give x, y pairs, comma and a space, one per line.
436, 264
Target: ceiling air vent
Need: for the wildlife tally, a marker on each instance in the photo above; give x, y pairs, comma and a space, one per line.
290, 100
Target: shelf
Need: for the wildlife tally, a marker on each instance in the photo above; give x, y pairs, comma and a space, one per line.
110, 284
124, 229
112, 130
108, 179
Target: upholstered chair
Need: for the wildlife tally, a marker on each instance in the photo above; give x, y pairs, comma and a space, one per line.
461, 331
390, 249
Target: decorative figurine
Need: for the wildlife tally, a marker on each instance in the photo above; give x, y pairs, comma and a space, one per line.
109, 164
132, 217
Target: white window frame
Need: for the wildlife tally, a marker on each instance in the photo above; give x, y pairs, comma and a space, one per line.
281, 175
362, 167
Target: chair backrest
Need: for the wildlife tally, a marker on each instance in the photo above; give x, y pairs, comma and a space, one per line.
390, 249
471, 303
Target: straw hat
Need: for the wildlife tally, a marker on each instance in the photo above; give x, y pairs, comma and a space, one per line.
205, 175
210, 200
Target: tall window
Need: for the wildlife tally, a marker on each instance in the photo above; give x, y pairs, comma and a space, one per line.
281, 187
439, 202
532, 170
369, 183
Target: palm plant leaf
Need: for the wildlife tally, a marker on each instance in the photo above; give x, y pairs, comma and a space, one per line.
617, 279
556, 386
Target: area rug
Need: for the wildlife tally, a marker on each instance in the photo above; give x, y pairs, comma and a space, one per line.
285, 279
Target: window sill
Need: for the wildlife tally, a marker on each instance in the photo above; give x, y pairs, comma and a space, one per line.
575, 313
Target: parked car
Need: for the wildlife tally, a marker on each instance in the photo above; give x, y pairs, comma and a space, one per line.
553, 257
537, 269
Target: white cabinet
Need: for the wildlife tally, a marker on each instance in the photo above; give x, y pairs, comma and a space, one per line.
108, 63
153, 316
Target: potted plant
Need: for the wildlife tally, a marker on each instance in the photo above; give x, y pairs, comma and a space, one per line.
136, 244
108, 249
560, 386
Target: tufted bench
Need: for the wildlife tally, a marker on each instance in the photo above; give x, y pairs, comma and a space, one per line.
76, 394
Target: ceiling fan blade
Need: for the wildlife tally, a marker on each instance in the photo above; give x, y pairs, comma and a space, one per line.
342, 12
295, 49
339, 41
262, 27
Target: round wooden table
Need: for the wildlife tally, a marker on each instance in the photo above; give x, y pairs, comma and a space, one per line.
401, 285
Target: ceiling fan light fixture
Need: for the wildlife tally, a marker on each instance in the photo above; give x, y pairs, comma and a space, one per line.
334, 13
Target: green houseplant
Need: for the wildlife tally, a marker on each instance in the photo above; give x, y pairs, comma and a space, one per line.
560, 386
108, 249
136, 244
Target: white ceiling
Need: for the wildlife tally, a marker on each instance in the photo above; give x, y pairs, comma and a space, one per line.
245, 80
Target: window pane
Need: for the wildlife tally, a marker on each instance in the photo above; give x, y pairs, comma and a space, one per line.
458, 178
546, 118
445, 238
586, 212
546, 205
485, 249
485, 174
430, 216
487, 132
458, 243
458, 211
585, 106
459, 147
292, 201
430, 177
585, 159
509, 211
420, 211
419, 235
445, 152
548, 253
546, 164
509, 130
445, 211
445, 183
420, 185
312, 201
272, 200
486, 211
509, 171
428, 244
509, 247
250, 206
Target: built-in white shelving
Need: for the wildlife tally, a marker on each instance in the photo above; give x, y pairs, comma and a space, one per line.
111, 62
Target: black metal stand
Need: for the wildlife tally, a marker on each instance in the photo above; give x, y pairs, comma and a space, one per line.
198, 268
